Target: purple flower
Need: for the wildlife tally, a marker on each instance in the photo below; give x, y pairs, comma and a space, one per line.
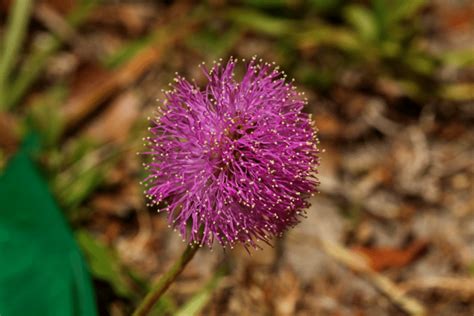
235, 161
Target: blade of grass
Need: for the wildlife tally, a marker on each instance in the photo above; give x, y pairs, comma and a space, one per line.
17, 23
36, 61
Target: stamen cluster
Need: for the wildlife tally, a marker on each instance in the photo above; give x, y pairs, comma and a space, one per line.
235, 161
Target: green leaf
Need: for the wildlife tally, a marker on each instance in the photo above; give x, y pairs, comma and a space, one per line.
362, 21
104, 264
42, 271
459, 58
421, 63
17, 23
404, 9
164, 306
458, 92
322, 34
35, 61
258, 22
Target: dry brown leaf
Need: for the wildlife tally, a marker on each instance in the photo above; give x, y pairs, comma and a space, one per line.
328, 125
88, 77
283, 292
385, 258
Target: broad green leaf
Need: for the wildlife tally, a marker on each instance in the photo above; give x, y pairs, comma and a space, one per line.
42, 271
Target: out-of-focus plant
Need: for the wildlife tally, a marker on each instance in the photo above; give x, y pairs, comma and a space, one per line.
236, 165
387, 36
17, 23
105, 265
15, 84
74, 169
382, 38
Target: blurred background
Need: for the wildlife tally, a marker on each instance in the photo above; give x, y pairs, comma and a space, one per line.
391, 89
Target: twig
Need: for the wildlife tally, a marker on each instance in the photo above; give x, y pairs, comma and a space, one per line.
358, 263
462, 286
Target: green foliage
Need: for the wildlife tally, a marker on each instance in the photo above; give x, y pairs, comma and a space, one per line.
45, 115
40, 259
381, 38
363, 22
83, 168
458, 92
17, 23
261, 23
315, 40
105, 265
459, 58
13, 86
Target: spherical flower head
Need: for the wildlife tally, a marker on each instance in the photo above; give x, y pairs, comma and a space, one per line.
235, 161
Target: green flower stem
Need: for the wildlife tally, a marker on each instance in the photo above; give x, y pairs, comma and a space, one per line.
165, 281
